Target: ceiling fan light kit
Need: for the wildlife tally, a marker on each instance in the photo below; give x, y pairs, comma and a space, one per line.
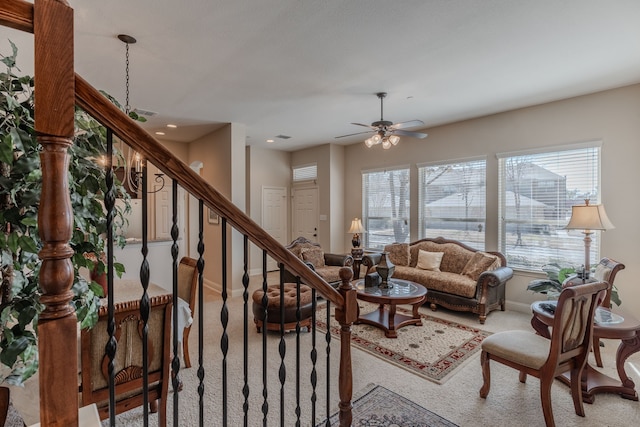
385, 131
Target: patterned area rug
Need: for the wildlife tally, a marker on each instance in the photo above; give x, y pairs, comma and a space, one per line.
380, 407
434, 350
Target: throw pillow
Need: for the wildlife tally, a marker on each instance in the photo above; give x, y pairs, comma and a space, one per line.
398, 253
429, 260
478, 264
602, 273
314, 255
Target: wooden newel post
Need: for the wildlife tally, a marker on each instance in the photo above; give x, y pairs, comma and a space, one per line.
54, 122
346, 315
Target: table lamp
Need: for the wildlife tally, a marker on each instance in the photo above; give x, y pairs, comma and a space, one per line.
356, 228
588, 218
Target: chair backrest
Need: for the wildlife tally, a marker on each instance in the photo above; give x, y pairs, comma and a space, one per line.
573, 322
128, 364
188, 281
606, 271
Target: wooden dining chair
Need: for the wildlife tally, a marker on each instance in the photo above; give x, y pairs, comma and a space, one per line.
128, 361
566, 351
187, 287
606, 271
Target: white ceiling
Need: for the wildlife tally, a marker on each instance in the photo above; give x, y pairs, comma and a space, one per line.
308, 68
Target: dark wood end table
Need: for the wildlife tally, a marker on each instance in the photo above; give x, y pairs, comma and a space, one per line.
594, 381
402, 292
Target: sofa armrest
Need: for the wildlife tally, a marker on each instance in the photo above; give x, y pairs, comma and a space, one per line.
371, 260
496, 277
339, 260
289, 277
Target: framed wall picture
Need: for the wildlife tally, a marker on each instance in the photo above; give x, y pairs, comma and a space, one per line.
213, 217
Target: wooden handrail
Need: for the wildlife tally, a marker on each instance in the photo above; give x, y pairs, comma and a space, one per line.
17, 14
103, 110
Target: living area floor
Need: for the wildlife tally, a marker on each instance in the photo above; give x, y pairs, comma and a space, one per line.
510, 403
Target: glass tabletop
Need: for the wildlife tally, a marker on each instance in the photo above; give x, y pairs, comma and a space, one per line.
602, 316
400, 288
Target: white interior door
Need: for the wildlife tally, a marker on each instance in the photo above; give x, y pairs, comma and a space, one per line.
274, 217
305, 213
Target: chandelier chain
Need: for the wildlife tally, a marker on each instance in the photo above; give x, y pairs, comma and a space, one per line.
127, 108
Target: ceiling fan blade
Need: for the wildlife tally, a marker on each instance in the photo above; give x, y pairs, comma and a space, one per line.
409, 133
352, 134
408, 124
360, 124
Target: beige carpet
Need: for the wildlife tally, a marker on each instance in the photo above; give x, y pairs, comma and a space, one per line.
435, 350
510, 403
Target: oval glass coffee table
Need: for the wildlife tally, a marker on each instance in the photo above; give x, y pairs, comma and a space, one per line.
402, 292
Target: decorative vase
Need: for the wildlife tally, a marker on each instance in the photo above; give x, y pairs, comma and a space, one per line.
385, 269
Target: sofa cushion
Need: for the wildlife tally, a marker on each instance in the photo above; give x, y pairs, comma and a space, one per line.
313, 255
451, 283
429, 260
479, 263
453, 260
330, 273
398, 253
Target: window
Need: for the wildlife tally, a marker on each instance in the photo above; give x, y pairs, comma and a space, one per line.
537, 191
452, 201
386, 207
305, 173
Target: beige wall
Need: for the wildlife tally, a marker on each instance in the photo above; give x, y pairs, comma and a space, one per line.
265, 168
611, 116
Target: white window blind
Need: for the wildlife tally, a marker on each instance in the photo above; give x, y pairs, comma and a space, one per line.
305, 173
452, 201
537, 191
386, 207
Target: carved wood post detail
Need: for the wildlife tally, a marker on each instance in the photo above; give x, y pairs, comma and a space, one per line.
54, 122
346, 315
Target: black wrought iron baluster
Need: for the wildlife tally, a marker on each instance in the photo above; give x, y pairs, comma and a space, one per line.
112, 344
144, 300
175, 363
245, 297
200, 266
298, 315
265, 301
282, 348
327, 336
314, 355
224, 317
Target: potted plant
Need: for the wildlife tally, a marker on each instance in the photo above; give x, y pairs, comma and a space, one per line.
20, 186
557, 274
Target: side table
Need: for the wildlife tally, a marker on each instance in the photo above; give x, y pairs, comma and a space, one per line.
594, 381
357, 263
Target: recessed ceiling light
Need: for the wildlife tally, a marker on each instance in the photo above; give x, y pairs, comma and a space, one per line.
269, 140
172, 126
159, 133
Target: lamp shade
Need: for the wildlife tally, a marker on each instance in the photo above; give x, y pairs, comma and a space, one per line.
356, 226
589, 217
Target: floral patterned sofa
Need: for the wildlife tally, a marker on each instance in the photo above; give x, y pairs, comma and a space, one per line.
457, 276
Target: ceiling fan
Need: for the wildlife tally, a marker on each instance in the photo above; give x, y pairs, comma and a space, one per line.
386, 132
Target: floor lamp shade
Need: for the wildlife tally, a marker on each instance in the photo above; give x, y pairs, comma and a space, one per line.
588, 218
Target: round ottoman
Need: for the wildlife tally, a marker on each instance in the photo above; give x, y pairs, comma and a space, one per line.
273, 307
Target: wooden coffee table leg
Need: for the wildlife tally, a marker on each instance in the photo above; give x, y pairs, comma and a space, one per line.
392, 322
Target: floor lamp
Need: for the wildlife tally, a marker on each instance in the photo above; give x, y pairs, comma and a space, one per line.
588, 218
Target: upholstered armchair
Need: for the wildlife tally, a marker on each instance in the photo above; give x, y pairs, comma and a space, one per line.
566, 351
128, 363
326, 265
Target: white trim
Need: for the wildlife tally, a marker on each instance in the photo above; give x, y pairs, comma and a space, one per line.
596, 143
386, 169
449, 162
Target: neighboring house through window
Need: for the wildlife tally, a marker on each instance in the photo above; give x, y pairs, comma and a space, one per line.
385, 212
537, 190
452, 201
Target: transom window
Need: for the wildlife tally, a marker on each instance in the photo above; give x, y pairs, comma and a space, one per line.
537, 190
385, 207
452, 201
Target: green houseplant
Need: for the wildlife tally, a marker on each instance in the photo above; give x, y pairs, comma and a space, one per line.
20, 185
556, 275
